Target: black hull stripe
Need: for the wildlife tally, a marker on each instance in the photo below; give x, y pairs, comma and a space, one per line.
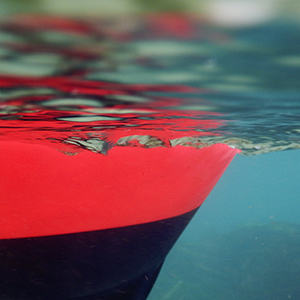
107, 262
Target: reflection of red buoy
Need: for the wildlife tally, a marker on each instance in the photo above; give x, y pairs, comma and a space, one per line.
90, 224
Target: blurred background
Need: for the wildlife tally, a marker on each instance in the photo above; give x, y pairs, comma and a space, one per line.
222, 12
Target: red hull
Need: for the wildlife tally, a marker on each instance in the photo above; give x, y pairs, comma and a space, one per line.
45, 192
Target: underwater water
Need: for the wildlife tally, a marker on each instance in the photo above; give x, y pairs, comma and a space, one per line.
244, 242
102, 85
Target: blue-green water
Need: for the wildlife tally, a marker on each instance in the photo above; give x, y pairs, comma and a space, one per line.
244, 242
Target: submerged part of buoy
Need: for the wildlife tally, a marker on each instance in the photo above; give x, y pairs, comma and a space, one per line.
91, 225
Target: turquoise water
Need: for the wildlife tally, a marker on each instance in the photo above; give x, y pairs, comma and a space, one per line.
255, 195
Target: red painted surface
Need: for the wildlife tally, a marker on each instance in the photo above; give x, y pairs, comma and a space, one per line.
45, 192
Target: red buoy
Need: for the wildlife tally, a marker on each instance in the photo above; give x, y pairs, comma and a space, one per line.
92, 224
